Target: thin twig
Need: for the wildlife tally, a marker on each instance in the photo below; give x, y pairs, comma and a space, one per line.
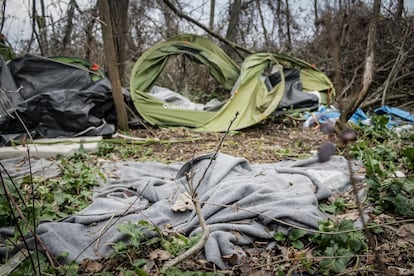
102, 232
355, 190
213, 157
197, 206
395, 67
32, 231
10, 201
34, 209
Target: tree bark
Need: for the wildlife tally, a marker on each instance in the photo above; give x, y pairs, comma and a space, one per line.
69, 26
315, 13
288, 33
231, 33
113, 69
356, 101
400, 9
119, 22
280, 27
90, 37
262, 21
212, 14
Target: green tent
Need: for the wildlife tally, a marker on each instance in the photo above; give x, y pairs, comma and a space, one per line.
95, 71
251, 95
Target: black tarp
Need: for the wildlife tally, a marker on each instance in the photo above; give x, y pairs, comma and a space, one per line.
294, 97
53, 99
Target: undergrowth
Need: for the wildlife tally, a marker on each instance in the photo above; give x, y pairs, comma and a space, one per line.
388, 157
336, 246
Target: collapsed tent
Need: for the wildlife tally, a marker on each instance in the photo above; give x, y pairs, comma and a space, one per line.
54, 97
266, 82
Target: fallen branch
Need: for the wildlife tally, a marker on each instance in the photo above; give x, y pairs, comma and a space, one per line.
197, 206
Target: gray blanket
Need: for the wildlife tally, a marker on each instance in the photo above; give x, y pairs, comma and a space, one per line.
240, 203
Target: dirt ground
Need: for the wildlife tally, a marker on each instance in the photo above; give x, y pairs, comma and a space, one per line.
266, 142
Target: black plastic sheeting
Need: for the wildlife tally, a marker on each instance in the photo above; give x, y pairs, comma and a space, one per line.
294, 97
53, 99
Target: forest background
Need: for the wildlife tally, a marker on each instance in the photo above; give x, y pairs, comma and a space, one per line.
330, 34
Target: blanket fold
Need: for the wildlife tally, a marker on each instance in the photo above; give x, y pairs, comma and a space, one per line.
241, 203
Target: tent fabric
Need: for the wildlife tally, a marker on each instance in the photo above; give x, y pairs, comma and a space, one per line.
150, 65
53, 99
251, 96
259, 198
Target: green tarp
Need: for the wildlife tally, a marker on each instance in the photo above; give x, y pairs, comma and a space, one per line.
251, 95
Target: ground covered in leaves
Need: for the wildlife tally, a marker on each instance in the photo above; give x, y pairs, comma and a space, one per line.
268, 142
263, 143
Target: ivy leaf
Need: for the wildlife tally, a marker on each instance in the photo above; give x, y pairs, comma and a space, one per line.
335, 265
328, 208
297, 244
296, 234
279, 236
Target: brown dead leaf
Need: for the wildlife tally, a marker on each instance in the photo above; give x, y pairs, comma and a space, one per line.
394, 270
406, 231
260, 272
91, 266
159, 254
231, 258
351, 215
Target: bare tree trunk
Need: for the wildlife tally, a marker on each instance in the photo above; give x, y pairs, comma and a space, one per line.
400, 9
3, 15
169, 21
212, 14
34, 34
119, 22
90, 38
41, 23
231, 33
356, 101
280, 22
112, 63
262, 21
315, 14
289, 37
69, 26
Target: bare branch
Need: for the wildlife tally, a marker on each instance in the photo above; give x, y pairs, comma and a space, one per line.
395, 67
356, 101
235, 46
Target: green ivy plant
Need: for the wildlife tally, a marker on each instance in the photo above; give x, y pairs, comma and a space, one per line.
339, 206
337, 250
389, 163
294, 237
